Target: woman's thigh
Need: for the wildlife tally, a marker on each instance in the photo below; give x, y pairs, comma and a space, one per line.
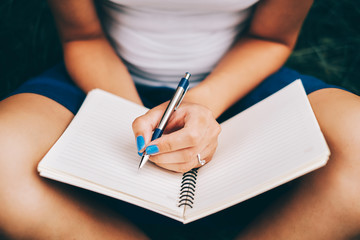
29, 125
36, 208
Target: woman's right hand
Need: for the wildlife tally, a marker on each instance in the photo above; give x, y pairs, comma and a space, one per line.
191, 130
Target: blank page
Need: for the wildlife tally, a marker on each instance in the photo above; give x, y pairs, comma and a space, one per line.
271, 143
99, 149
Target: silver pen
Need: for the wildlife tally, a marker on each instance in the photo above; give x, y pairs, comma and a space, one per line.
172, 106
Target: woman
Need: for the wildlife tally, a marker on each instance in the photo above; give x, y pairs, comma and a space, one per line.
234, 49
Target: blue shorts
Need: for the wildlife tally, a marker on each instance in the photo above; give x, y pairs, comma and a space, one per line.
56, 84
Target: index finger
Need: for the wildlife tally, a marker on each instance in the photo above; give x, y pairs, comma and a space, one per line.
180, 139
145, 124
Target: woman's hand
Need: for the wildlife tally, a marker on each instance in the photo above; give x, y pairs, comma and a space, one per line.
191, 130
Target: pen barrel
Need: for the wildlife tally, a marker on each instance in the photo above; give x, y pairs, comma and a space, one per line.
184, 83
171, 107
157, 133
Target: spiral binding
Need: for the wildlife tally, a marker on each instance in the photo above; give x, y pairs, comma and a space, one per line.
187, 191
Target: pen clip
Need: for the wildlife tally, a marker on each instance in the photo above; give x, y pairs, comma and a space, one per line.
181, 98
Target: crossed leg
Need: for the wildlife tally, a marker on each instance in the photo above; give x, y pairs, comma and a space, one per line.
36, 208
326, 203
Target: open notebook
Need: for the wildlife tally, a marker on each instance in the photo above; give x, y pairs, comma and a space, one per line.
271, 143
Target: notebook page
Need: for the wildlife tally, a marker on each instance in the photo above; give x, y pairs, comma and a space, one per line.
99, 149
177, 215
271, 143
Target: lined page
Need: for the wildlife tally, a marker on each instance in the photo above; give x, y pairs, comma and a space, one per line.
99, 149
271, 143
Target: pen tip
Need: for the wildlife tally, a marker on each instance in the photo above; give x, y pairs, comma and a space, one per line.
143, 160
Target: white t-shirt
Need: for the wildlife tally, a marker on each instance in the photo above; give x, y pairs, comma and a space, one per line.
160, 40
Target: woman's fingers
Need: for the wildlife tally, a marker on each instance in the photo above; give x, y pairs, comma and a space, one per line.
144, 125
181, 139
184, 160
185, 166
178, 167
199, 129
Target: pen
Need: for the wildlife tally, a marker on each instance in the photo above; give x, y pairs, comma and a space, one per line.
172, 106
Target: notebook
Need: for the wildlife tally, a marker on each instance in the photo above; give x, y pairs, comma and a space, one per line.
271, 143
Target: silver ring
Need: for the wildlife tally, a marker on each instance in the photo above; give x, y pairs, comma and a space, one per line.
202, 162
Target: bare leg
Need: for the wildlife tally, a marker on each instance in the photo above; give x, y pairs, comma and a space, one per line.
33, 207
326, 204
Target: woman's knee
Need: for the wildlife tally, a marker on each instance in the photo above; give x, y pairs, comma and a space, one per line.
20, 202
338, 114
29, 125
21, 208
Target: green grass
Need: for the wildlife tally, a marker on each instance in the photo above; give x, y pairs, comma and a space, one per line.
329, 44
328, 47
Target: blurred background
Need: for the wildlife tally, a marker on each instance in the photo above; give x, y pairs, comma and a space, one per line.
328, 47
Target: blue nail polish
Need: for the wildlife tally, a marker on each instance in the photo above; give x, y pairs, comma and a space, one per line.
152, 149
140, 154
140, 142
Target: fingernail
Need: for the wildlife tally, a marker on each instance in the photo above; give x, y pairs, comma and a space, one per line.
140, 142
152, 149
140, 154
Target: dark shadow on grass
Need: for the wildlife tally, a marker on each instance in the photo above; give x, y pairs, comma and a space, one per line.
329, 44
